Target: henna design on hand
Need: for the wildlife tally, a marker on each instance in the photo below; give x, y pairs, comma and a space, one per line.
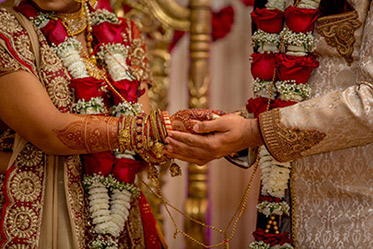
91, 133
184, 120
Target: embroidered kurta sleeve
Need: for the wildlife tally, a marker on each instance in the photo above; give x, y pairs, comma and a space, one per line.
334, 121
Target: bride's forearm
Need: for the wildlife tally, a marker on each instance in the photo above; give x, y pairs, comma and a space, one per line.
88, 134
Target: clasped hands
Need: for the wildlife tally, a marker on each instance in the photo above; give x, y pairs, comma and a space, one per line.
200, 136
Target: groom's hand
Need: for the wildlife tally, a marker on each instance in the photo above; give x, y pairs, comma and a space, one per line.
214, 139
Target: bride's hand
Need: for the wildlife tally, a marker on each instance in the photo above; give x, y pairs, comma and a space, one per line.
184, 120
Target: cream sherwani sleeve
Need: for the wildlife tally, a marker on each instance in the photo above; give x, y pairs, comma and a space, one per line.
334, 121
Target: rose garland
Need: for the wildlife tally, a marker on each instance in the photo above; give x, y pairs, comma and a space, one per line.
109, 176
281, 66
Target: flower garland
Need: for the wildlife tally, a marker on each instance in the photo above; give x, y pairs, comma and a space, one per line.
109, 176
282, 77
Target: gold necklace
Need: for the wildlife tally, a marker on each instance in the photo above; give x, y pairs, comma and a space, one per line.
75, 22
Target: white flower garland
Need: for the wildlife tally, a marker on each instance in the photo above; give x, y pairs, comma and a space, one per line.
263, 245
266, 42
289, 90
109, 211
103, 15
94, 106
41, 20
69, 53
273, 208
125, 109
259, 245
115, 56
309, 4
278, 4
297, 44
275, 175
104, 242
262, 88
285, 90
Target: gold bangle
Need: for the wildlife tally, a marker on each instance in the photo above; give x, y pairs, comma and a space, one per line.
125, 135
154, 127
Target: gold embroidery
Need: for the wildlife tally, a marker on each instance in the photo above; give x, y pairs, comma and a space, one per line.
58, 91
8, 22
133, 236
6, 139
286, 144
2, 197
25, 187
22, 215
23, 222
338, 31
75, 197
17, 37
8, 63
49, 60
30, 156
138, 62
23, 45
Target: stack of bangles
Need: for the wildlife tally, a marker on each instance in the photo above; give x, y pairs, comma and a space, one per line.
145, 134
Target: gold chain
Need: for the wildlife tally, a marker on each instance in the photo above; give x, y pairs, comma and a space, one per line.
236, 216
102, 72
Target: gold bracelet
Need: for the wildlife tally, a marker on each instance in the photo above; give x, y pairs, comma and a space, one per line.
125, 134
154, 126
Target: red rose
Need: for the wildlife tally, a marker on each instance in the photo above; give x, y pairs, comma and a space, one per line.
98, 163
263, 65
248, 2
257, 105
296, 68
55, 32
126, 169
107, 32
104, 4
26, 9
222, 22
129, 89
86, 88
268, 20
269, 199
278, 103
271, 238
299, 19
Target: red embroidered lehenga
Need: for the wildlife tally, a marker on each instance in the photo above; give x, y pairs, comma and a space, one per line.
44, 203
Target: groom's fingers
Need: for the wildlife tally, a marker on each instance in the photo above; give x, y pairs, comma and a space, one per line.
180, 150
187, 138
210, 126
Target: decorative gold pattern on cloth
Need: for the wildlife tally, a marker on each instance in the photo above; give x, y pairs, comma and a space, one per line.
2, 198
133, 235
13, 34
139, 64
338, 31
22, 216
75, 197
286, 144
6, 139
